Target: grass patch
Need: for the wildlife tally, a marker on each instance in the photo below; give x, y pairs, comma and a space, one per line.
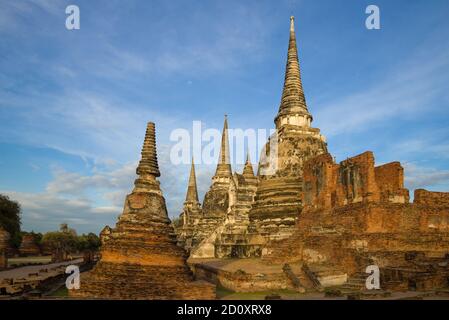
22, 261
223, 293
61, 292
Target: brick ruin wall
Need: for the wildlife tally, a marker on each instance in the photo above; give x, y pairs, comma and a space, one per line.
355, 212
390, 181
356, 180
431, 198
384, 205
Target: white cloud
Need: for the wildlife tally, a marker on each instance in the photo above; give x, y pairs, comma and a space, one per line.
76, 184
45, 212
406, 93
417, 177
432, 144
54, 7
87, 202
13, 14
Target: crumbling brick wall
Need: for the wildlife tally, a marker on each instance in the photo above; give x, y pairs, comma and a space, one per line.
424, 197
434, 208
320, 180
357, 179
390, 180
376, 194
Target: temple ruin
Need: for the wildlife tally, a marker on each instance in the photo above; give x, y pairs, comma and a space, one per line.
323, 222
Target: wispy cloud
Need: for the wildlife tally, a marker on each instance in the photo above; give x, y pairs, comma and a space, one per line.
417, 177
72, 183
13, 14
44, 211
405, 93
86, 201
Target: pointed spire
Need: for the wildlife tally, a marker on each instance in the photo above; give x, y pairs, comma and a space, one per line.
224, 151
293, 100
148, 163
224, 162
192, 191
248, 169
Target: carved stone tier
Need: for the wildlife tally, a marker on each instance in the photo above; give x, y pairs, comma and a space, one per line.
278, 199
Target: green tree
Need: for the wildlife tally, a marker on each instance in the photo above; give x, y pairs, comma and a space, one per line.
94, 241
64, 227
10, 212
89, 242
60, 240
38, 236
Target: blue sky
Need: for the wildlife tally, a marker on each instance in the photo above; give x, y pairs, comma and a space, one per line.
74, 104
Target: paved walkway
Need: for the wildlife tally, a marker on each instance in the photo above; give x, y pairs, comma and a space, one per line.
23, 272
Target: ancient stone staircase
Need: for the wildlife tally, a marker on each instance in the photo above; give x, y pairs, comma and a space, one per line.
312, 277
356, 283
294, 279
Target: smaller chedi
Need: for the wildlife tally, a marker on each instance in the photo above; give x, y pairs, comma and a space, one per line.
218, 228
199, 224
191, 214
4, 246
139, 257
29, 245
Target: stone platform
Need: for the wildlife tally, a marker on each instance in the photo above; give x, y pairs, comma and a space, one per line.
250, 275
